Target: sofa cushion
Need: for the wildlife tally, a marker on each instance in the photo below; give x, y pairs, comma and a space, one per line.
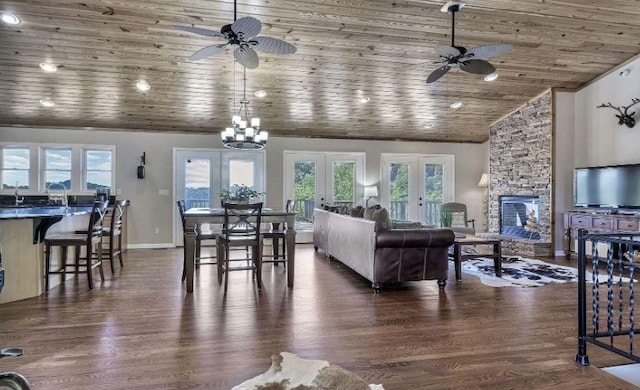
406, 225
369, 211
357, 212
382, 219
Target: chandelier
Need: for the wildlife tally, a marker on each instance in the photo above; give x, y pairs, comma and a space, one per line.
244, 133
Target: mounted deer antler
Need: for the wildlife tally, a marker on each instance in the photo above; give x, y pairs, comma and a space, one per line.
624, 118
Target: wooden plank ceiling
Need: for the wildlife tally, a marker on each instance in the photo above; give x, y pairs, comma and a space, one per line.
380, 49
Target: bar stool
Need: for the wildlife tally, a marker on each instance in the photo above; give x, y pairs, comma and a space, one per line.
276, 234
114, 232
91, 239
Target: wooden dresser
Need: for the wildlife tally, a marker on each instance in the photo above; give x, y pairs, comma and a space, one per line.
596, 222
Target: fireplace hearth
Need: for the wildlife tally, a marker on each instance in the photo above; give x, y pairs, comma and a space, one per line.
519, 216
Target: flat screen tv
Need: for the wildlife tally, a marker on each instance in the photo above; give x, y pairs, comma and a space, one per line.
608, 187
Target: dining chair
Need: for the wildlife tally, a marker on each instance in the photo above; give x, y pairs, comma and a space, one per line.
91, 239
278, 233
241, 229
202, 234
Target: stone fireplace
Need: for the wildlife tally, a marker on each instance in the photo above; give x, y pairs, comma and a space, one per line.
520, 178
519, 216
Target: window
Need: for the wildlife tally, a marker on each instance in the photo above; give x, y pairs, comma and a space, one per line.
97, 169
57, 168
15, 168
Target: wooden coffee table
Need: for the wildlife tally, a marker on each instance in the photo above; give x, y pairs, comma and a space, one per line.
458, 243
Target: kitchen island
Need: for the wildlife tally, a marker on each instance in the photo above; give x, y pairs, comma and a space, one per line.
22, 232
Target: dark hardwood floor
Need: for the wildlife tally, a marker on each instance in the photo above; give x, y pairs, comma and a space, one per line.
139, 330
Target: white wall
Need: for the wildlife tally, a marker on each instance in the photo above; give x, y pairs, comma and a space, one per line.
589, 136
149, 210
599, 138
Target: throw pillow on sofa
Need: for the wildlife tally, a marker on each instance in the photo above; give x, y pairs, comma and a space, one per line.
357, 212
382, 219
369, 211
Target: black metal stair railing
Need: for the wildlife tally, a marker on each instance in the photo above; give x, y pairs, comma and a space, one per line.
611, 294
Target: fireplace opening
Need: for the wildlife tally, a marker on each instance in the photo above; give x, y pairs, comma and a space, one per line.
519, 216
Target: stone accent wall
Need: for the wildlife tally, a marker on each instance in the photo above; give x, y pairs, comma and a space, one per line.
520, 153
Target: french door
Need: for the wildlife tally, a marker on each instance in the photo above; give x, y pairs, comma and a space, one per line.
317, 178
414, 187
200, 175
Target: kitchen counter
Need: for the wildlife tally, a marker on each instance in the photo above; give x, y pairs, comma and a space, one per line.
22, 231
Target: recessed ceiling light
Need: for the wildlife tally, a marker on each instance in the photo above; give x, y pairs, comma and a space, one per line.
365, 99
455, 105
143, 85
47, 102
491, 77
48, 67
9, 18
261, 93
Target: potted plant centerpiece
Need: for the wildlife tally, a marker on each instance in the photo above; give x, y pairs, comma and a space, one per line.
239, 193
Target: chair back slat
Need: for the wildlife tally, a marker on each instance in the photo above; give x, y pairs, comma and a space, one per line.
242, 220
116, 218
96, 222
181, 206
291, 204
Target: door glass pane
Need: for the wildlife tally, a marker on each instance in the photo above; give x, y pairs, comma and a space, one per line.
343, 183
399, 188
304, 192
57, 174
241, 172
433, 193
15, 172
197, 183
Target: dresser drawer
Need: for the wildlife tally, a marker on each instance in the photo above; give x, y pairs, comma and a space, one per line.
580, 221
628, 225
602, 223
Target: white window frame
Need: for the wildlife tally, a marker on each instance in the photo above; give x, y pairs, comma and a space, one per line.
85, 170
3, 169
43, 166
37, 166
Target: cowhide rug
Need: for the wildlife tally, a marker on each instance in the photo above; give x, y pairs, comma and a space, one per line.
290, 372
522, 272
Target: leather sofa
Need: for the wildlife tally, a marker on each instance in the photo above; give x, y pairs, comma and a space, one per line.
384, 256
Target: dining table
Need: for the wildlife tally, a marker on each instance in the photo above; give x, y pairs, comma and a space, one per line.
197, 216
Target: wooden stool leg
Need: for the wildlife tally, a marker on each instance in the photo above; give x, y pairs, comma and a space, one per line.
220, 260
63, 262
120, 249
198, 250
284, 251
100, 267
226, 267
258, 264
275, 244
184, 262
78, 249
111, 254
89, 269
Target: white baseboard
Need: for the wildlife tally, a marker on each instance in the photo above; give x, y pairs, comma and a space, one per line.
151, 246
559, 253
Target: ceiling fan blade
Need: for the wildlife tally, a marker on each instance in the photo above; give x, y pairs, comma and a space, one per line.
247, 27
477, 67
447, 51
207, 51
201, 31
436, 74
484, 52
273, 45
246, 56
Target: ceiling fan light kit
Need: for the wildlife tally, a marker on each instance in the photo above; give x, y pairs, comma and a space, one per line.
470, 61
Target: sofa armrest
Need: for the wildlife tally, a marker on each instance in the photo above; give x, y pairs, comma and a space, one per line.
414, 238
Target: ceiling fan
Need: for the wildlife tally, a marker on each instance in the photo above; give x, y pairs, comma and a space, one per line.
471, 61
242, 36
